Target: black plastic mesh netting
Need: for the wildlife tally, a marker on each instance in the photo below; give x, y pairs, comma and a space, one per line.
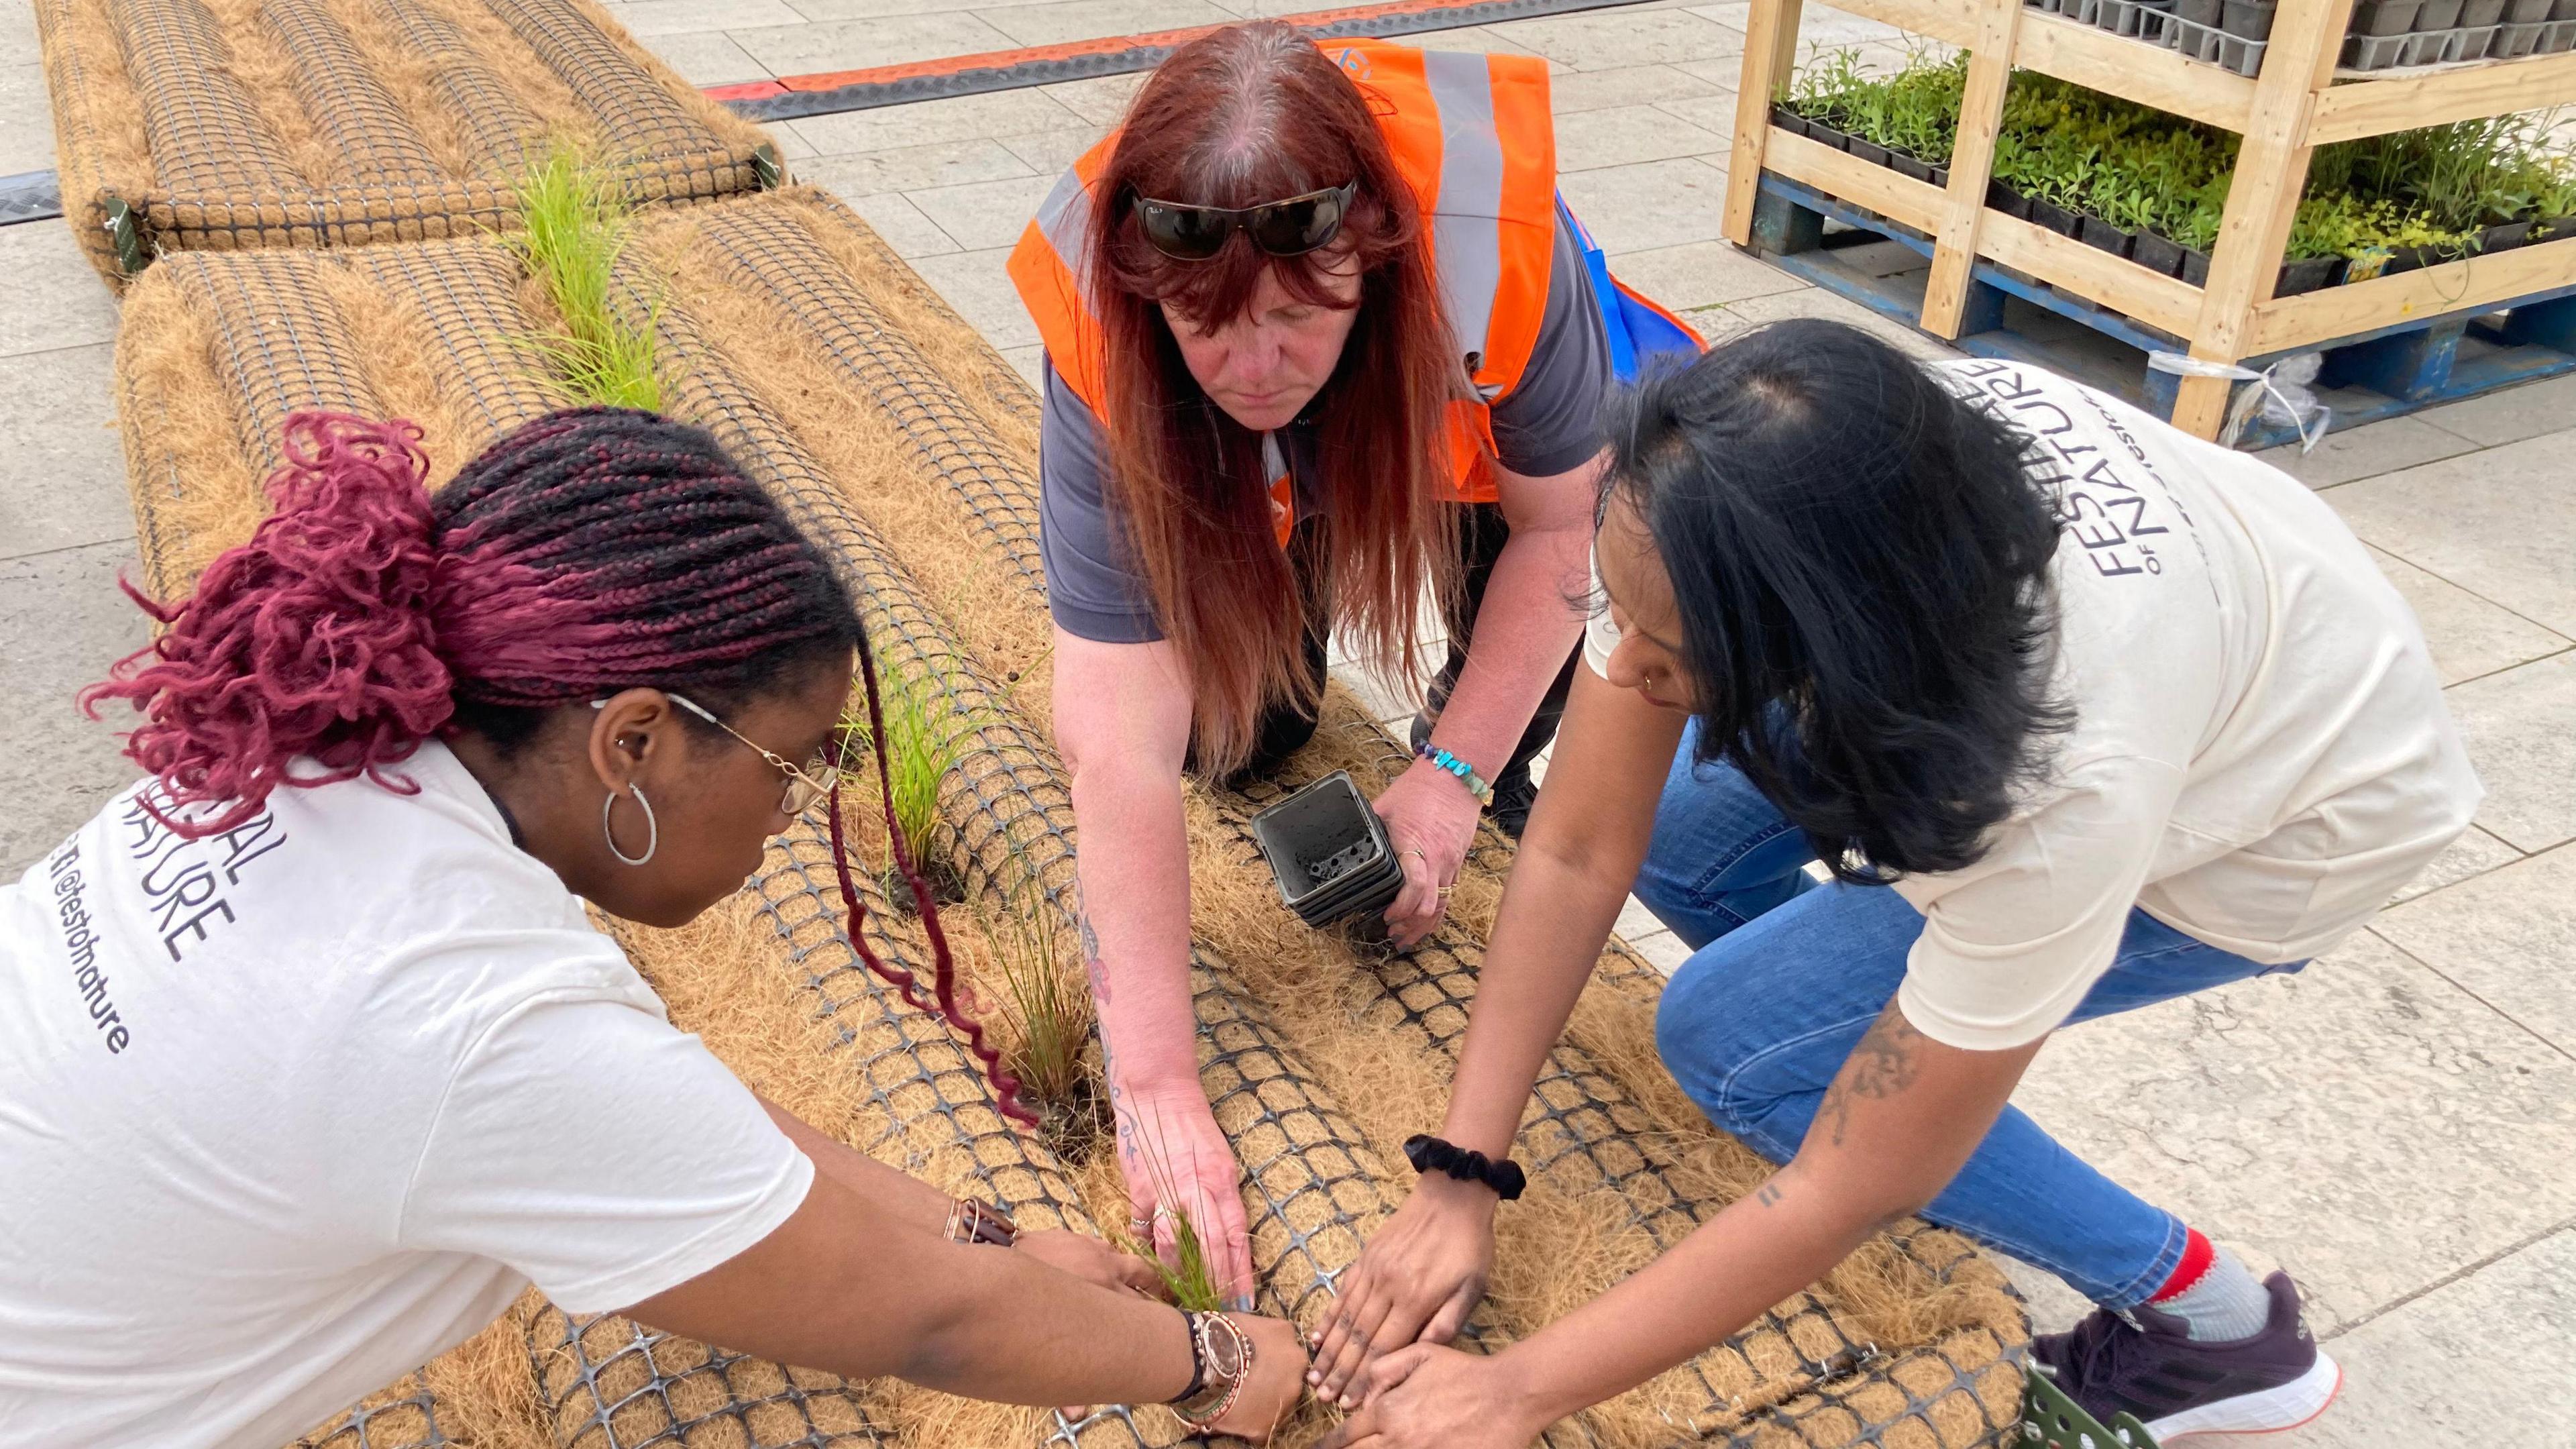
1583, 1128
608, 1383
166, 142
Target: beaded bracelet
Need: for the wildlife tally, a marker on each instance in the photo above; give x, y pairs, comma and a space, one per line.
1450, 764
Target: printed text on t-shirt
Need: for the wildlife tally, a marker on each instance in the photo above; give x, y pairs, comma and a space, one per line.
185, 879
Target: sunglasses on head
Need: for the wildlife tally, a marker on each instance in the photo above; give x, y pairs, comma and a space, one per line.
1290, 227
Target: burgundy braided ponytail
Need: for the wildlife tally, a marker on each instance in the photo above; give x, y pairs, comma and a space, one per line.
589, 551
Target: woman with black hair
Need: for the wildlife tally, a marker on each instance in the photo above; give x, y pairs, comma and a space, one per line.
1990, 704
312, 1061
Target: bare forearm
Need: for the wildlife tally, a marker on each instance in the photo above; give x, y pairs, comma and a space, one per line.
1135, 877
908, 1199
1524, 629
1020, 1332
1553, 923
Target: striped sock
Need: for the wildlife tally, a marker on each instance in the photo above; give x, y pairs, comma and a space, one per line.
2215, 1296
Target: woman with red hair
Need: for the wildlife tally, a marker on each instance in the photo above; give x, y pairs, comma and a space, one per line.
1321, 346
311, 1060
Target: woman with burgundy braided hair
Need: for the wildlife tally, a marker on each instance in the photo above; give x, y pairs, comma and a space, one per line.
311, 1060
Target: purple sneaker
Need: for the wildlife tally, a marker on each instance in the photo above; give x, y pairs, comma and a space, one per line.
2277, 1379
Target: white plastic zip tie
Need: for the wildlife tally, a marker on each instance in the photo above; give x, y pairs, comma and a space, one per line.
2282, 393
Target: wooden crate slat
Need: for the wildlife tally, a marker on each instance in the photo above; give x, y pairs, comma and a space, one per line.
2167, 304
2134, 70
1770, 54
2356, 308
2374, 108
1972, 159
1891, 193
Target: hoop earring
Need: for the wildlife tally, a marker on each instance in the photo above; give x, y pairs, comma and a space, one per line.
652, 828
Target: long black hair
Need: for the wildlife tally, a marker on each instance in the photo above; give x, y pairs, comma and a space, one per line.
1861, 563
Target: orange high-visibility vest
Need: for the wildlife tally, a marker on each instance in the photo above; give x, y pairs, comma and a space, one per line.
1473, 136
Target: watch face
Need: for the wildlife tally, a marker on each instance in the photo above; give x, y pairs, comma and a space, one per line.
1225, 1356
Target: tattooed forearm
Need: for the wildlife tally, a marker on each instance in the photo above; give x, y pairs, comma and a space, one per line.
1881, 1066
1092, 965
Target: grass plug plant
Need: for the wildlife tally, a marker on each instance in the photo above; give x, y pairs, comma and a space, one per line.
1046, 1006
1188, 1279
919, 754
573, 223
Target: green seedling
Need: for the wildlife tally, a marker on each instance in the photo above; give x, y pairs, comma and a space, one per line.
919, 753
573, 228
1189, 1280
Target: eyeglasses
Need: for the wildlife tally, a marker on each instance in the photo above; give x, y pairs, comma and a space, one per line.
807, 784
1290, 227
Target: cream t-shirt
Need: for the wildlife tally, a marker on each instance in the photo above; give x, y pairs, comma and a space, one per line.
290, 1110
2260, 757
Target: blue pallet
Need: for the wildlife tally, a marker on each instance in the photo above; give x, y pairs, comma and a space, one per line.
2372, 375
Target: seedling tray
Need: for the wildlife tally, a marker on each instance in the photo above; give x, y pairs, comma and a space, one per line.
1329, 852
2051, 1420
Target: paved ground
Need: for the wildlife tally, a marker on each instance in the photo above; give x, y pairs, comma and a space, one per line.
2397, 1124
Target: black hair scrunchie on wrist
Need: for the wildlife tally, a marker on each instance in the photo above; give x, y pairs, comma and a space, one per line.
1430, 1154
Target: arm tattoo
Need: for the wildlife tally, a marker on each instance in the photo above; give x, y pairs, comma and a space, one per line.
1768, 1194
1092, 965
1881, 1066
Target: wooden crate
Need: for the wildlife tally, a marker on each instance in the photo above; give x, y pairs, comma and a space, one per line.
2289, 107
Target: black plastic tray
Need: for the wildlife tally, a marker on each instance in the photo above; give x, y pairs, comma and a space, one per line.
1329, 852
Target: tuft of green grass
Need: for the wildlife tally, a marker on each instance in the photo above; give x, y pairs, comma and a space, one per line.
1189, 1281
1044, 996
919, 755
573, 228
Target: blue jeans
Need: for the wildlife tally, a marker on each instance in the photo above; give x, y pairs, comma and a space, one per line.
1787, 973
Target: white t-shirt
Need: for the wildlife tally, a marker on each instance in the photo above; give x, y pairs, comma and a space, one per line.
2260, 757
289, 1110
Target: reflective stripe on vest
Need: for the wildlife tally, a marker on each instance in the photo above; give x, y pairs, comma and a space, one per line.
1472, 135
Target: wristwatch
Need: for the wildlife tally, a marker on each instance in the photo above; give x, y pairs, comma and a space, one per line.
1220, 1360
973, 1220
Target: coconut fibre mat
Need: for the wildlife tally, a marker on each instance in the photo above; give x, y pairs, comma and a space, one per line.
222, 125
1911, 1343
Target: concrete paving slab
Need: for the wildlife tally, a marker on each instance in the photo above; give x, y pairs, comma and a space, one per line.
706, 58
1592, 90
2520, 726
2364, 1122
2500, 523
987, 213
1700, 274
2511, 415
2469, 636
49, 298
2367, 451
917, 170
1027, 361
2476, 1361
899, 223
1089, 19
961, 118
1710, 113
26, 120
1662, 949
56, 766
2473, 854
1101, 100
1817, 302
1621, 39
976, 284
65, 486
857, 44
1649, 204
18, 44
683, 17
1624, 135
1052, 153
2509, 936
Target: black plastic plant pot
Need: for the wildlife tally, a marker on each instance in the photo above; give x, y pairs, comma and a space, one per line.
2157, 254
1869, 151
2504, 238
2306, 275
2438, 15
2195, 266
1908, 166
2526, 12
2000, 197
1939, 176
2549, 229
2093, 231
2199, 12
2476, 14
2054, 217
1788, 120
2248, 19
2385, 17
1329, 852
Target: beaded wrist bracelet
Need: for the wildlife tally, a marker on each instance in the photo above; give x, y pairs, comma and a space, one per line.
1450, 764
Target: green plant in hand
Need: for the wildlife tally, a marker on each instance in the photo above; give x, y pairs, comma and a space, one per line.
573, 228
1188, 1278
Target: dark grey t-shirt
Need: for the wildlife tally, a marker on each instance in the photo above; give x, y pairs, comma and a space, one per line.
1549, 424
